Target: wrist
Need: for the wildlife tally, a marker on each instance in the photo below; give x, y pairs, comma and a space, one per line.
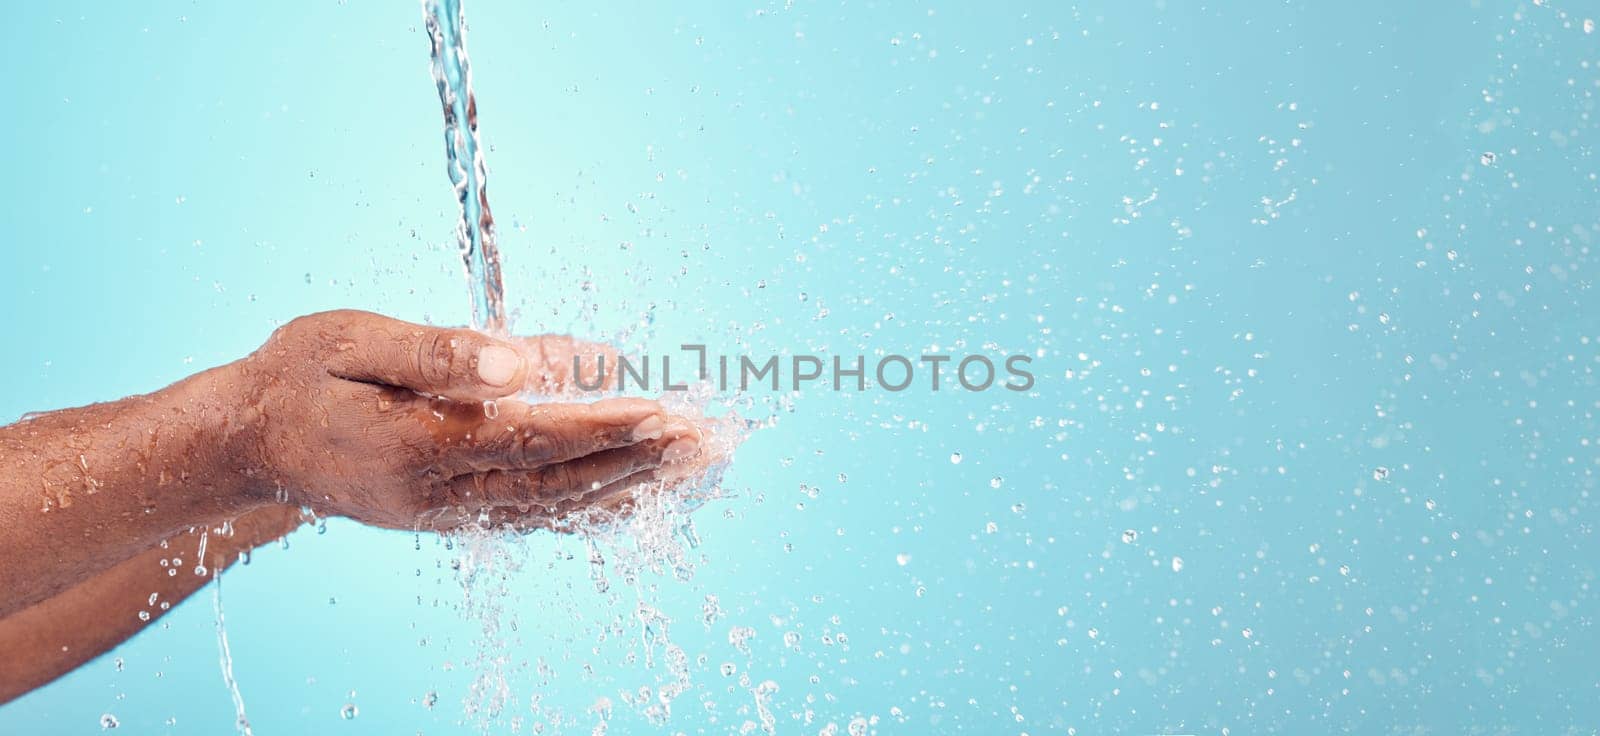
222, 456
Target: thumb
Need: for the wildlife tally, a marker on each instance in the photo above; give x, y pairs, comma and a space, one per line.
454, 363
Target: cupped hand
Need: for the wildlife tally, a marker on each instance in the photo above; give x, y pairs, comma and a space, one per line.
407, 426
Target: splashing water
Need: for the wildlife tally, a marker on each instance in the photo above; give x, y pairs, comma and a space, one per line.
655, 539
484, 567
452, 74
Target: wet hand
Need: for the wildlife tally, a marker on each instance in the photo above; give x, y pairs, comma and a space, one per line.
407, 426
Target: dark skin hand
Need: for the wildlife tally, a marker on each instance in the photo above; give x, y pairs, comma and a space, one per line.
344, 413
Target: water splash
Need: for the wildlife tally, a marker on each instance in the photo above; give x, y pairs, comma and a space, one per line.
484, 568
623, 553
452, 74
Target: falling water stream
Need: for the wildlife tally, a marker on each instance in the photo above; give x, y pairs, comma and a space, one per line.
452, 74
240, 720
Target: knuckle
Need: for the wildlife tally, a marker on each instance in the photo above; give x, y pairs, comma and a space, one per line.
568, 445
618, 435
433, 357
495, 486
535, 448
304, 325
320, 332
519, 487
556, 479
319, 322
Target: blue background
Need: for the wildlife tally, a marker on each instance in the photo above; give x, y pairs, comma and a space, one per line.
1257, 249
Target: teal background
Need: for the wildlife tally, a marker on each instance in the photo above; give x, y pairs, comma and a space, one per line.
1336, 282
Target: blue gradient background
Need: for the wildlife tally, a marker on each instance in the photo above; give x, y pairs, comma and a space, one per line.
1225, 355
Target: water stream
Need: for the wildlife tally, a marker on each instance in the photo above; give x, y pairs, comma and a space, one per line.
650, 541
452, 74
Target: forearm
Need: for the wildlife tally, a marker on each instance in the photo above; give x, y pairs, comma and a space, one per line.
55, 636
87, 488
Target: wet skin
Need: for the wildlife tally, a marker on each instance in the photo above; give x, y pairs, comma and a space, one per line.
343, 413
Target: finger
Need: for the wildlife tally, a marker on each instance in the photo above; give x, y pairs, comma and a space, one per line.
588, 477
615, 497
552, 484
620, 498
526, 515
615, 500
570, 515
563, 365
455, 363
530, 517
669, 476
526, 437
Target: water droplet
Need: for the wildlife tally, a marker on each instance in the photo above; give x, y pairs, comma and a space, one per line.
955, 458
430, 699
1177, 564
1487, 159
739, 637
349, 711
996, 481
1380, 473
491, 409
902, 559
1129, 536
108, 721
1430, 504
728, 669
1247, 633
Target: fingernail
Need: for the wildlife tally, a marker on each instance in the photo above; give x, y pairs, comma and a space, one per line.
680, 450
498, 364
648, 429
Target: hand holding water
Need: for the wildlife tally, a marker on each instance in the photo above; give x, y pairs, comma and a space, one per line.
404, 426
